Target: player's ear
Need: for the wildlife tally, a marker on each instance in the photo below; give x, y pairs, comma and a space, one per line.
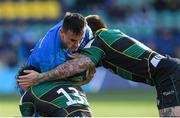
61, 31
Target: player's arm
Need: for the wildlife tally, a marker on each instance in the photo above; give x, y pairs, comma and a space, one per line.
65, 70
84, 77
87, 59
70, 68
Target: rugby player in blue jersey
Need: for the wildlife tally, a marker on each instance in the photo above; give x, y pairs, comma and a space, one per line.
59, 98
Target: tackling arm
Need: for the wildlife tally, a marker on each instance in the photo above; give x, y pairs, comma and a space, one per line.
62, 71
68, 69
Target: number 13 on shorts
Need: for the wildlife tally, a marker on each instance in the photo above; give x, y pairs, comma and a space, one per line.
71, 101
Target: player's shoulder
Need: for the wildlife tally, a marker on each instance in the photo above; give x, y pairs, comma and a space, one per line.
49, 36
57, 26
110, 32
109, 35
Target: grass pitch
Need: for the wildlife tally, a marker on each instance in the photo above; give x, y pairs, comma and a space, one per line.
124, 103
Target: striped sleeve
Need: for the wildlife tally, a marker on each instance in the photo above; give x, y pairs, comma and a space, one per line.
94, 50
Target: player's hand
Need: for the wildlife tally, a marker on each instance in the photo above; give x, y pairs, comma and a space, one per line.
24, 88
30, 79
73, 56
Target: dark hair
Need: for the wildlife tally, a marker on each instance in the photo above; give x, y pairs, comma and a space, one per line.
74, 22
95, 22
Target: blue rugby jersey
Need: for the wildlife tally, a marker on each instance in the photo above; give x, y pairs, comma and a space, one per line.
49, 52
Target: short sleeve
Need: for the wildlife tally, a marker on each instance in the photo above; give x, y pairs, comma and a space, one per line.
94, 50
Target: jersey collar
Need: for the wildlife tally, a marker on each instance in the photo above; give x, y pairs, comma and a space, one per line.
102, 29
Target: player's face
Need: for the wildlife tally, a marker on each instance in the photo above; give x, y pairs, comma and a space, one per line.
71, 40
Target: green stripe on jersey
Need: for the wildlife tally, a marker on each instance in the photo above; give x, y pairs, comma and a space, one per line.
124, 73
94, 53
45, 87
134, 51
60, 102
110, 36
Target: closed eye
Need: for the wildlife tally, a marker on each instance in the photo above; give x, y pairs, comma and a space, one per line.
73, 40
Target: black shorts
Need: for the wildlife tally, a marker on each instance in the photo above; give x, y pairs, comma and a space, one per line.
168, 87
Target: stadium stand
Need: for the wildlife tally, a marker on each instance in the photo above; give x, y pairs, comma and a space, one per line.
153, 22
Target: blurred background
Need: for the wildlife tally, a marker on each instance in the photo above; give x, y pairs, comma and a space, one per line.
156, 23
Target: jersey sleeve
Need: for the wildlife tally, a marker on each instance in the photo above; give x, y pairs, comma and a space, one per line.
94, 50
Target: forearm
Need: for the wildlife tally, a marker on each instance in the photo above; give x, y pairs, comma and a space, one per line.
68, 69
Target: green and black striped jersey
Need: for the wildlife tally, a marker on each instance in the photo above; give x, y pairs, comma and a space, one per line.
50, 96
53, 93
122, 54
